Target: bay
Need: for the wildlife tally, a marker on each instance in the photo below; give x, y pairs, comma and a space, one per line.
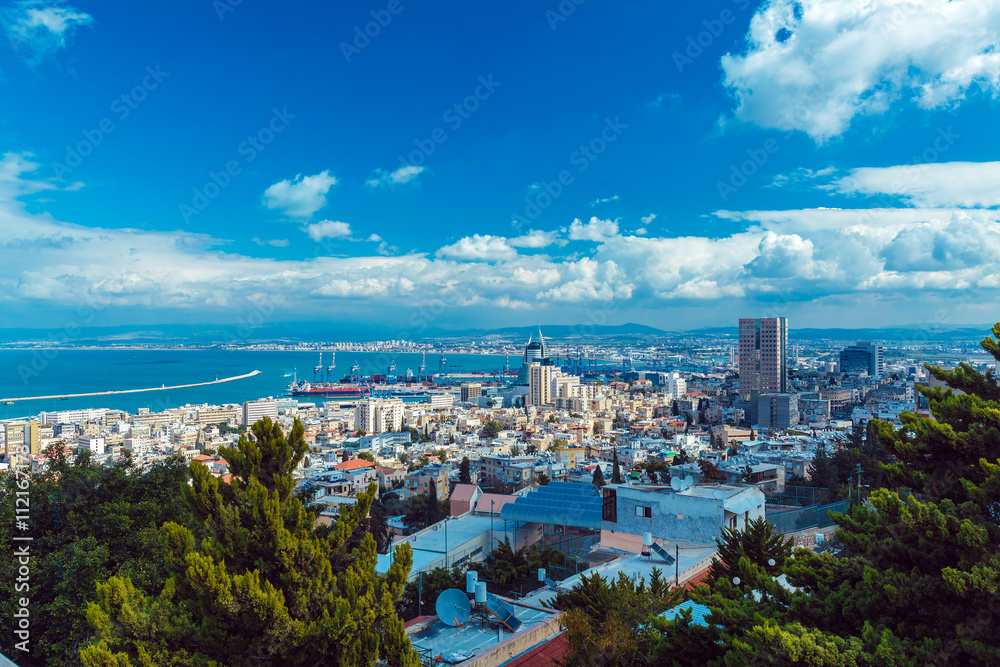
33, 372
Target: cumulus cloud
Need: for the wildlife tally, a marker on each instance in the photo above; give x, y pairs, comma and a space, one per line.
535, 238
301, 196
37, 28
815, 65
401, 176
274, 243
328, 229
479, 247
594, 230
805, 255
942, 184
646, 219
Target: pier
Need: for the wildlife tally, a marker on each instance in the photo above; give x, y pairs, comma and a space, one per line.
132, 391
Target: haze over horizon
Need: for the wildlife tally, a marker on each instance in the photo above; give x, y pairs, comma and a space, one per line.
484, 166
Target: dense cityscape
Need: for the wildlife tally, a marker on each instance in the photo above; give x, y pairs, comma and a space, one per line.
500, 334
610, 460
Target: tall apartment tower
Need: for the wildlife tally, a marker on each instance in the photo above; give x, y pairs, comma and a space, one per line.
539, 384
763, 356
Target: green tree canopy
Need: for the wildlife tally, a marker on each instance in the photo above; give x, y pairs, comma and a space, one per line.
464, 471
265, 585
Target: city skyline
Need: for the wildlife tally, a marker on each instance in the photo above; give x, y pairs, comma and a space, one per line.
260, 166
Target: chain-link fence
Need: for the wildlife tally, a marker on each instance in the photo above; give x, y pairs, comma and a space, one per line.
797, 495
815, 516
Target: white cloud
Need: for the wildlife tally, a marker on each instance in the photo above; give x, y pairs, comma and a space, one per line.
672, 100
800, 175
328, 229
594, 230
13, 184
641, 231
37, 28
401, 176
964, 184
646, 219
815, 65
302, 196
605, 200
535, 238
274, 243
479, 247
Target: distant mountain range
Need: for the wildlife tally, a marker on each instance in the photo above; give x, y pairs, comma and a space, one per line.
912, 332
311, 332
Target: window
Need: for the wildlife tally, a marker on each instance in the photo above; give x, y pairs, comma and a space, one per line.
610, 507
645, 512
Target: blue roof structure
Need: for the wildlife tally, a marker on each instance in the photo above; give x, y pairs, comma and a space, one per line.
698, 612
558, 503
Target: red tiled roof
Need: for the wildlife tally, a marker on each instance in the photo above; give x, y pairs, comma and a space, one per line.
354, 464
544, 655
696, 580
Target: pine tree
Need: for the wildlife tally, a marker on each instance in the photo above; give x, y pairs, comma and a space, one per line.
918, 578
757, 541
265, 586
464, 471
433, 508
599, 477
616, 474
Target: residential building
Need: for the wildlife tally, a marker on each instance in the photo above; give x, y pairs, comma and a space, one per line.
539, 384
418, 482
21, 438
777, 411
763, 349
379, 415
470, 392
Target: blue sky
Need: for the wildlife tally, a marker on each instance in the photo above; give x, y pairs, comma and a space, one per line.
486, 164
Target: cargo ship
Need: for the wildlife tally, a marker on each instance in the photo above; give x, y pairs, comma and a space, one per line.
329, 390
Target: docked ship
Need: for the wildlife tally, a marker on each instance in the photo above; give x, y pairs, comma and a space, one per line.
329, 390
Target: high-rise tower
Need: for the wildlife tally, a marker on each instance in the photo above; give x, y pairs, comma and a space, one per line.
763, 356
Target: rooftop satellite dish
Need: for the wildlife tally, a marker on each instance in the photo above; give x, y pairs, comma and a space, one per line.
675, 483
689, 481
719, 495
453, 607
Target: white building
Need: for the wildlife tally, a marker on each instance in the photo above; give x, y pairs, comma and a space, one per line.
254, 411
379, 415
94, 444
539, 384
673, 384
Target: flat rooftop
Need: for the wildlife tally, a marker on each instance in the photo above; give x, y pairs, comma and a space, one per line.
635, 566
475, 636
448, 536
